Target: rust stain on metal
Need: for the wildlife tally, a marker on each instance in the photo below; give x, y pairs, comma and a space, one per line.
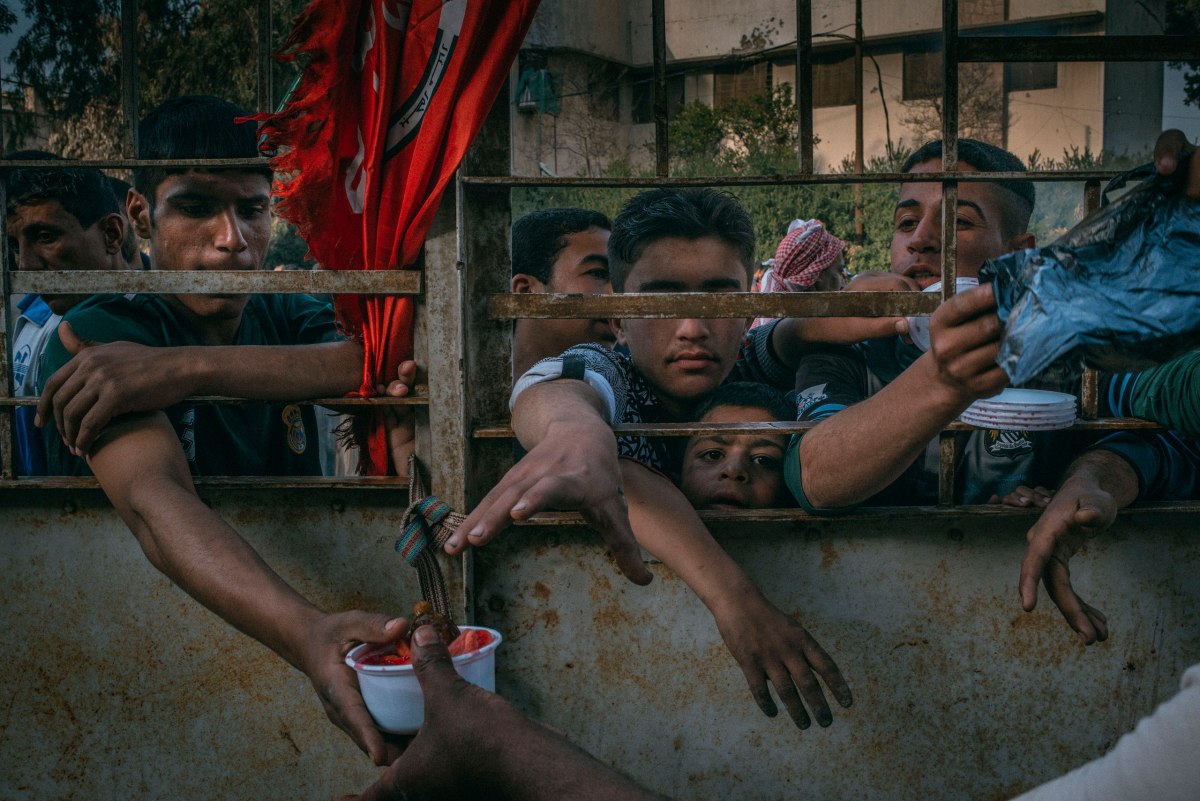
829, 554
706, 305
541, 591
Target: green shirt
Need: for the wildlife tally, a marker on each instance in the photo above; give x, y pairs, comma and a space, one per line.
246, 439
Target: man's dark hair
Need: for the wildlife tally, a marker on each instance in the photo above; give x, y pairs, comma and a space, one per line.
752, 395
1016, 203
689, 213
539, 236
83, 192
121, 191
193, 127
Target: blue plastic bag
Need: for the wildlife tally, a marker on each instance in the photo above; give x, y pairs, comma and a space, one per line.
1120, 291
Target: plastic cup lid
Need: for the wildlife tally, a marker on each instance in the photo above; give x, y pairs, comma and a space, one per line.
1028, 397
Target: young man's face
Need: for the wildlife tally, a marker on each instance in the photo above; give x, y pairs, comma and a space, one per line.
45, 236
917, 227
219, 220
684, 360
734, 471
581, 268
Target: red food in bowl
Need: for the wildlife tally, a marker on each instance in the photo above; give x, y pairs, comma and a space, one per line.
466, 642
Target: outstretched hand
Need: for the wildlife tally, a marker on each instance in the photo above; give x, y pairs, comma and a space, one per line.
575, 470
105, 381
964, 336
1077, 511
771, 647
322, 658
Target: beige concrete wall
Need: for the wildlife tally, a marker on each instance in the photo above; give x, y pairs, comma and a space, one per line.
1071, 114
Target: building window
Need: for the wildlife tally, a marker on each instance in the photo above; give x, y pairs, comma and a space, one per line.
922, 74
833, 82
643, 98
731, 84
1025, 76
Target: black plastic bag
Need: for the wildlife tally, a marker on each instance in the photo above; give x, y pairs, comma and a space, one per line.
1119, 291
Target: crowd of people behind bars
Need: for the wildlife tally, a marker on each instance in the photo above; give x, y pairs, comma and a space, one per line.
116, 375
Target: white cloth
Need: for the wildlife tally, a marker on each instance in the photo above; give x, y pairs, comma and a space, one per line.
1157, 761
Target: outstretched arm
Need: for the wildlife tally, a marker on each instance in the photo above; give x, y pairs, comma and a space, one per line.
102, 382
859, 451
475, 745
1097, 484
142, 470
571, 464
768, 645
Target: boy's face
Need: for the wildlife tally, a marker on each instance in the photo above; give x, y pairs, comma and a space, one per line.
581, 268
684, 360
45, 236
734, 471
917, 227
202, 220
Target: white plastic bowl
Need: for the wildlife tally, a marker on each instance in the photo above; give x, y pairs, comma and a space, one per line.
393, 694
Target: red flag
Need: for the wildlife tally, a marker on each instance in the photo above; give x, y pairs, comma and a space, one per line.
392, 94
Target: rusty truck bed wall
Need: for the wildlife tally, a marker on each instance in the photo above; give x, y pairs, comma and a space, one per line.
117, 685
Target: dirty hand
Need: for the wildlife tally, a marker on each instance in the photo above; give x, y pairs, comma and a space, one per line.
1078, 510
460, 719
771, 647
104, 381
1023, 497
571, 468
322, 656
1172, 146
964, 336
398, 421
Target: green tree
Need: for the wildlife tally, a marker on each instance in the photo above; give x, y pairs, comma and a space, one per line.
1183, 19
71, 57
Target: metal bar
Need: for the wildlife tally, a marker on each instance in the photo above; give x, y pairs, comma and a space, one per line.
265, 103
380, 400
804, 83
863, 513
129, 79
472, 182
129, 163
1078, 48
8, 441
390, 483
947, 441
659, 29
504, 431
348, 282
711, 305
859, 229
1090, 390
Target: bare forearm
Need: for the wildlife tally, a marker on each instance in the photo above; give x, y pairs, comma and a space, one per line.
559, 408
666, 525
142, 470
1105, 471
267, 372
543, 767
862, 449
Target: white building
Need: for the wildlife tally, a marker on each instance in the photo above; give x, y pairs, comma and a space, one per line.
590, 64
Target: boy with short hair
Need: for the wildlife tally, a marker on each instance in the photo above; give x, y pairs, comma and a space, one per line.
738, 471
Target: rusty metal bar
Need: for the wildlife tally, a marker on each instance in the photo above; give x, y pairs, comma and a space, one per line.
711, 305
74, 483
265, 93
662, 159
129, 79
471, 182
504, 431
1078, 48
948, 442
129, 163
380, 400
864, 513
349, 282
8, 440
1090, 390
804, 83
